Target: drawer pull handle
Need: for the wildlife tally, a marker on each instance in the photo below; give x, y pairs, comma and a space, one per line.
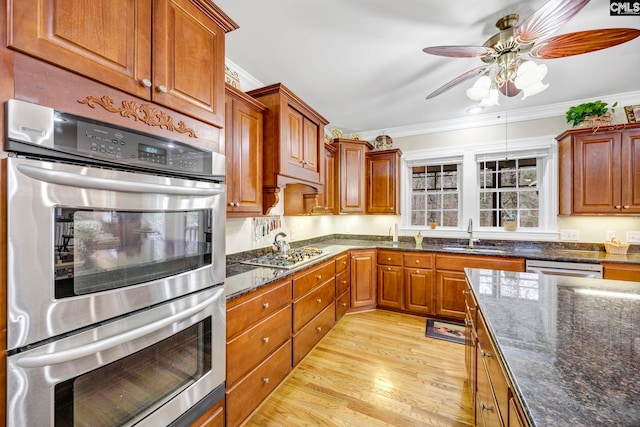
417, 261
319, 300
388, 268
319, 329
483, 406
265, 340
344, 262
417, 271
344, 281
265, 380
485, 354
465, 292
319, 276
265, 305
388, 259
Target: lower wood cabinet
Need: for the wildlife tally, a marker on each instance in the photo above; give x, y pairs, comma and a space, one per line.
614, 271
313, 332
363, 279
451, 280
343, 285
405, 281
214, 417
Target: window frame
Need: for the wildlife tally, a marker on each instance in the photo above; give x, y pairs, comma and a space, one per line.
544, 148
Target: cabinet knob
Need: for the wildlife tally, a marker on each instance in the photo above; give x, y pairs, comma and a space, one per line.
618, 206
465, 292
388, 259
231, 204
483, 406
265, 305
485, 354
388, 268
344, 262
344, 281
417, 271
162, 89
265, 380
145, 82
626, 206
344, 304
319, 300
319, 329
417, 261
265, 340
319, 276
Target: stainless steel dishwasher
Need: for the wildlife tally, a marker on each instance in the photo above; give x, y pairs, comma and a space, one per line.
577, 269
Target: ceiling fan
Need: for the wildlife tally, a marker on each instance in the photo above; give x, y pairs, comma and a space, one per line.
505, 68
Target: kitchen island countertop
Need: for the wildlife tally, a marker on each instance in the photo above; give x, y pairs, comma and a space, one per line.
571, 346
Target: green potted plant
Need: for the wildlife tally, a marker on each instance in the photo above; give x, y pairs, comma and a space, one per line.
433, 223
590, 114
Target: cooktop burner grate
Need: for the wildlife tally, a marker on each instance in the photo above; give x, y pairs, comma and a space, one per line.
294, 258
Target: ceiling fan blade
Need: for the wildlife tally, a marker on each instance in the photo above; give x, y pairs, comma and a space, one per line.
466, 76
458, 51
582, 42
548, 19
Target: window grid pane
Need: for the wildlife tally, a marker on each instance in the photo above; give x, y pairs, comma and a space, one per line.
509, 189
435, 195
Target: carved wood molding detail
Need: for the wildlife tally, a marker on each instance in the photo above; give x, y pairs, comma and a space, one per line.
146, 113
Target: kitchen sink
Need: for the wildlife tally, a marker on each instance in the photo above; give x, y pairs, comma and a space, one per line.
475, 250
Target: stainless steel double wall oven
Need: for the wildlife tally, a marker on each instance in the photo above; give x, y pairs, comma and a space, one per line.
116, 259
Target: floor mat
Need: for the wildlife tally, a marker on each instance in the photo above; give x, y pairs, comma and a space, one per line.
448, 331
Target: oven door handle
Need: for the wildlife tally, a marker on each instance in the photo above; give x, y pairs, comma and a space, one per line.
94, 347
84, 181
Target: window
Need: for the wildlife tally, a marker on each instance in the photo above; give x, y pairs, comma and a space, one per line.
435, 195
509, 190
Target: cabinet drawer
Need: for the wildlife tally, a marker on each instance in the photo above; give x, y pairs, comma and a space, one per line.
307, 307
342, 263
497, 378
313, 332
389, 258
415, 259
459, 263
342, 305
213, 417
343, 282
251, 308
308, 280
245, 396
248, 349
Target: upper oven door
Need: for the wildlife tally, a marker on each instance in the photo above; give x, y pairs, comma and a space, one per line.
88, 244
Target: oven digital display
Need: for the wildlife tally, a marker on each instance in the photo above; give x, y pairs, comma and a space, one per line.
152, 154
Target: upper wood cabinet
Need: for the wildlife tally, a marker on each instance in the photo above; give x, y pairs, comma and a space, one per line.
293, 142
168, 51
243, 141
383, 182
351, 178
598, 171
329, 189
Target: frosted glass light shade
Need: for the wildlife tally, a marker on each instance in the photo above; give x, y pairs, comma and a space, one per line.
480, 89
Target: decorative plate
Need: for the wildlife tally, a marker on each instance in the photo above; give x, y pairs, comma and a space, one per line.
382, 142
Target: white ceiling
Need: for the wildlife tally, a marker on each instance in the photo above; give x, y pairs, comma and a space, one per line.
360, 63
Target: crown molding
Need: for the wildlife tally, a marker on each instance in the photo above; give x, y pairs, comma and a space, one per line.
247, 81
499, 117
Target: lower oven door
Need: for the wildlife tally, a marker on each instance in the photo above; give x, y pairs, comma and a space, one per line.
145, 369
87, 244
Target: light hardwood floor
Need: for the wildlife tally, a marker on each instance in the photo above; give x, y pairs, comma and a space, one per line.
373, 368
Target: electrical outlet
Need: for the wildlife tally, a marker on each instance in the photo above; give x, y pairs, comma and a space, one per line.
569, 234
633, 236
610, 235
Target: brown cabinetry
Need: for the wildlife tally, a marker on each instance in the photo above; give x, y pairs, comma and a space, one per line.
598, 171
351, 178
213, 417
314, 293
243, 142
363, 279
451, 280
293, 142
383, 182
168, 51
258, 347
329, 189
614, 271
405, 281
343, 285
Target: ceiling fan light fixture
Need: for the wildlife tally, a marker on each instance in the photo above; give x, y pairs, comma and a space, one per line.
529, 73
534, 89
480, 89
491, 99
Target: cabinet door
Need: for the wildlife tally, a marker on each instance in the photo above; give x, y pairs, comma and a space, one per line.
106, 40
390, 287
311, 146
352, 178
329, 189
449, 296
244, 158
628, 272
383, 183
631, 172
363, 279
294, 141
418, 285
597, 174
188, 61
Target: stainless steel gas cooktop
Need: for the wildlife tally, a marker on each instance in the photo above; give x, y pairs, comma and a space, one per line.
294, 258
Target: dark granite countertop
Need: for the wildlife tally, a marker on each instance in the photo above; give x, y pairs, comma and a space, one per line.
570, 345
242, 278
